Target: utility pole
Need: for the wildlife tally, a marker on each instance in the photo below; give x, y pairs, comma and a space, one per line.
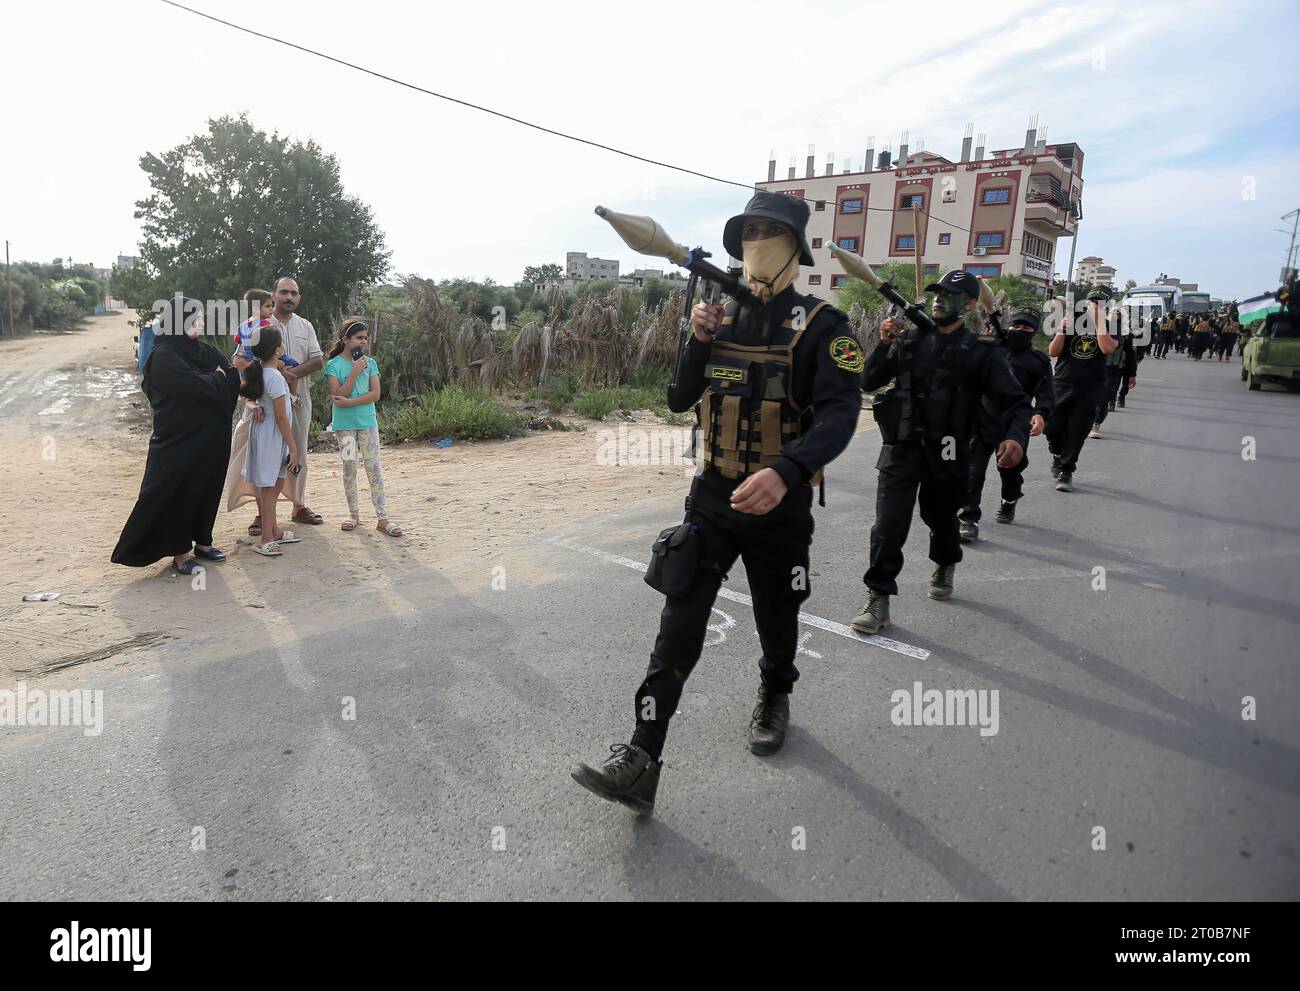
9, 292
1294, 217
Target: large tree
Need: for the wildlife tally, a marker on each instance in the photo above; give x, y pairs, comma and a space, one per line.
237, 208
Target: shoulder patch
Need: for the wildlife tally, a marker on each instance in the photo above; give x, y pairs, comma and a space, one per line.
847, 354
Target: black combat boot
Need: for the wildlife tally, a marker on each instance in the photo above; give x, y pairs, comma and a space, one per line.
1056, 466
629, 777
767, 724
1121, 402
1007, 512
968, 531
875, 614
941, 581
1065, 482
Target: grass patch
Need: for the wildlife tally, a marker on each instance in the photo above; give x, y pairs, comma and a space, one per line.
464, 414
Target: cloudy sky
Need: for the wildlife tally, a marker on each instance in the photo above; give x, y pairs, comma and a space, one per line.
1186, 113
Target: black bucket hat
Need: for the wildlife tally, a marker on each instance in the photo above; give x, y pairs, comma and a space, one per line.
789, 210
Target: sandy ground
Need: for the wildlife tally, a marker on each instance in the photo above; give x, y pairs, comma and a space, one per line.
74, 430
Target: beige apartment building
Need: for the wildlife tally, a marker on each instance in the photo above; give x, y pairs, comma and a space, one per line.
999, 214
1094, 271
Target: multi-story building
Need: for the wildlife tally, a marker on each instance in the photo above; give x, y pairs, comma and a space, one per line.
995, 215
1172, 280
578, 267
1094, 271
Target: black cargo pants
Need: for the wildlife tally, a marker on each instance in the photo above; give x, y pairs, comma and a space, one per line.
774, 549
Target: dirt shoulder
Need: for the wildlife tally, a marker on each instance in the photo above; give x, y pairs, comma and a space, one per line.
75, 450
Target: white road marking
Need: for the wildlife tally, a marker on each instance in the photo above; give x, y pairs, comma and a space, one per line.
808, 619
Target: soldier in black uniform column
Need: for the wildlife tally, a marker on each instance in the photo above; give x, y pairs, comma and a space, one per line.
1121, 370
942, 377
1033, 370
1080, 349
777, 379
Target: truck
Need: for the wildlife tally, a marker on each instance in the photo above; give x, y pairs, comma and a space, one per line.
1273, 352
1194, 303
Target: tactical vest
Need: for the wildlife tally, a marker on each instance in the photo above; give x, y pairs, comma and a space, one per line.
748, 410
949, 409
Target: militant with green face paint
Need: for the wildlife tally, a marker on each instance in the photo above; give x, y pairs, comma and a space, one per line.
948, 306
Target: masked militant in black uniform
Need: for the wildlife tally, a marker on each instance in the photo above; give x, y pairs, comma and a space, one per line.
1080, 349
1033, 370
942, 376
775, 381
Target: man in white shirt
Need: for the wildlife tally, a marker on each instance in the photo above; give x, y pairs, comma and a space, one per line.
300, 343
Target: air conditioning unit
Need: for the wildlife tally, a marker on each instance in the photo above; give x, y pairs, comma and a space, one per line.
950, 196
979, 252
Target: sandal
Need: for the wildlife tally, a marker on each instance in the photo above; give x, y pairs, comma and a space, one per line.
187, 567
350, 525
390, 528
288, 537
306, 515
268, 549
212, 553
255, 528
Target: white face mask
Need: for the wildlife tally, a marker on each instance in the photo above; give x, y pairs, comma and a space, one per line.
771, 264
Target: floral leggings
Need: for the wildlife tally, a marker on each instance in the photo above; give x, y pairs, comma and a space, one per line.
363, 446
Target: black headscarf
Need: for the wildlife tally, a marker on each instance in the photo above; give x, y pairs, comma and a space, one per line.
170, 332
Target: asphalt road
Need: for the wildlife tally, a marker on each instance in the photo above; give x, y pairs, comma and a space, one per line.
1119, 708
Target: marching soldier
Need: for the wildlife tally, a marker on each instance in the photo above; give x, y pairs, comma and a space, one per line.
926, 422
1121, 371
1033, 370
777, 381
1080, 348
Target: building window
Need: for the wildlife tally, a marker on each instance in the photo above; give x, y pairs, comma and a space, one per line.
848, 243
912, 200
945, 239
983, 271
851, 206
932, 270
839, 281
816, 242
814, 280
989, 240
905, 242
1001, 195
1036, 247
821, 205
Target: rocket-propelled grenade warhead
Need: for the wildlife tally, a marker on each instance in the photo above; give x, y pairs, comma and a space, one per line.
855, 266
859, 269
644, 235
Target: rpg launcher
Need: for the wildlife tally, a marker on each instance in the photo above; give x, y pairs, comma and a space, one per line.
856, 267
644, 236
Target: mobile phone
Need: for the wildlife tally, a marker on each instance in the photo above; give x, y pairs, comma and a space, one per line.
357, 353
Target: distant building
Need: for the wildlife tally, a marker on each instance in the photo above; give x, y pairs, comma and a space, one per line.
126, 261
1096, 272
995, 214
640, 276
1172, 280
578, 267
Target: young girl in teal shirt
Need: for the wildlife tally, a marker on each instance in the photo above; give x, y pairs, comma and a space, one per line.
354, 384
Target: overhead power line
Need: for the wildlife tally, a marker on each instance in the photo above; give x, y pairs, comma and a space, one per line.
509, 117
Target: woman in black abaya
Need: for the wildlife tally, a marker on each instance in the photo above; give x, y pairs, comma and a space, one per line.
193, 390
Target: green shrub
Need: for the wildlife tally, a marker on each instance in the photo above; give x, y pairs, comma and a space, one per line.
596, 404
464, 414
